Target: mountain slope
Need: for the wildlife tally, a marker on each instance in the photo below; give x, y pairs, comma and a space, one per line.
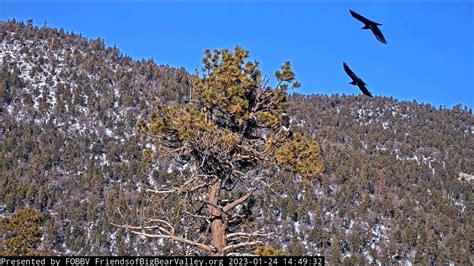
70, 149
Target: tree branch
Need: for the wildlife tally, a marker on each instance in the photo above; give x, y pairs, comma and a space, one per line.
184, 187
136, 227
236, 254
237, 202
269, 186
161, 191
215, 207
198, 216
207, 248
241, 245
246, 235
167, 235
165, 222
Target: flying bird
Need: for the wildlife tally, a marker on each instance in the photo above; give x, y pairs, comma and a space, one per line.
357, 81
369, 24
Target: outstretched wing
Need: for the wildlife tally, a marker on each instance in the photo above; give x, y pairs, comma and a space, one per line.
349, 72
360, 18
364, 89
356, 80
378, 34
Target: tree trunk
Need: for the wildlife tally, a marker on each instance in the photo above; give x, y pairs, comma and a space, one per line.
218, 225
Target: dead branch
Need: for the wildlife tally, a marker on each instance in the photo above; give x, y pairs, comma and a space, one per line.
241, 245
247, 235
198, 216
184, 187
161, 191
199, 186
164, 222
215, 207
252, 152
207, 248
238, 254
269, 186
237, 202
136, 227
166, 235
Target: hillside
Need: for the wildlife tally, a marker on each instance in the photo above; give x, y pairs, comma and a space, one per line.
391, 190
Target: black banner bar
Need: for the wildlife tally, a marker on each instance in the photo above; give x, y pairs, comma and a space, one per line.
163, 260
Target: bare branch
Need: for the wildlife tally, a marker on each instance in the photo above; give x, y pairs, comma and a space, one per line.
241, 245
253, 152
165, 222
150, 235
160, 228
199, 186
269, 186
237, 202
198, 216
136, 227
215, 207
161, 191
247, 235
189, 181
184, 187
237, 254
201, 246
167, 235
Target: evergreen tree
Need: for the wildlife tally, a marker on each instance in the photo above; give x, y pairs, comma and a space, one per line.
21, 233
219, 133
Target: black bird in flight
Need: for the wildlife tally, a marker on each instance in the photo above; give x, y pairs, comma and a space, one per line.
356, 80
369, 24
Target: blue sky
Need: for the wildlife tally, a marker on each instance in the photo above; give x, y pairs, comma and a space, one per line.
429, 55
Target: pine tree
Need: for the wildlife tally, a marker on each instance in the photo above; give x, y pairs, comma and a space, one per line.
21, 233
230, 128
